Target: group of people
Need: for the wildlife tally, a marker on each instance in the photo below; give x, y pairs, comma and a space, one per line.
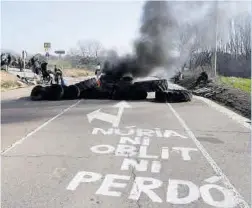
5, 60
41, 68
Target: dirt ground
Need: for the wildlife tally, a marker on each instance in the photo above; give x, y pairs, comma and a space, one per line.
77, 73
9, 81
234, 99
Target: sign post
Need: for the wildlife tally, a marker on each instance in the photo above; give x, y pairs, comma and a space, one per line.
47, 47
24, 55
59, 52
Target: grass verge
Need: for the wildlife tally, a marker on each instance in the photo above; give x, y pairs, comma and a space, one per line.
9, 81
77, 73
236, 82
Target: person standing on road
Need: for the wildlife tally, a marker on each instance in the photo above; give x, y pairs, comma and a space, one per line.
58, 75
20, 64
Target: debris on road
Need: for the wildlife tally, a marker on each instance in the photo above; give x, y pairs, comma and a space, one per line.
106, 86
235, 99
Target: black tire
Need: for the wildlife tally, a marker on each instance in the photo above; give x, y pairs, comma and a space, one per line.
138, 94
71, 92
38, 93
152, 85
87, 84
121, 95
54, 92
173, 96
130, 94
95, 93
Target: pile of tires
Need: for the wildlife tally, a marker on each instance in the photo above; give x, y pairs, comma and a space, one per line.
130, 94
159, 85
53, 92
58, 92
173, 96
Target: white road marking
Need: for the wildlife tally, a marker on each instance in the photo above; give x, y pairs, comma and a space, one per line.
37, 129
213, 179
236, 117
113, 119
210, 160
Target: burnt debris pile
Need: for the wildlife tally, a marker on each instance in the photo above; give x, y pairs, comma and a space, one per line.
106, 87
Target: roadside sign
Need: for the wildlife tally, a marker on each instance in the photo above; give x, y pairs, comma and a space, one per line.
47, 46
59, 52
24, 54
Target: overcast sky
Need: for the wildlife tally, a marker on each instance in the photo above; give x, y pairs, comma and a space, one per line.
26, 25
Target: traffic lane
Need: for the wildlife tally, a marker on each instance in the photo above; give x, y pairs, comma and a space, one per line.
74, 128
227, 141
21, 116
72, 148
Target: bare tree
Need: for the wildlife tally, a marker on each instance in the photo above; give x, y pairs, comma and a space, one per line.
90, 48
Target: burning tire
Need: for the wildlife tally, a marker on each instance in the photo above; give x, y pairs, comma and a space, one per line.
95, 93
71, 92
54, 92
138, 94
87, 84
152, 85
173, 96
38, 93
130, 94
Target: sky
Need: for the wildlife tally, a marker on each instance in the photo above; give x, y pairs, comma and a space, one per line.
26, 25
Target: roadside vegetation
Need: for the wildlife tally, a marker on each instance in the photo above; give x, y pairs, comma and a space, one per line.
77, 73
237, 82
9, 82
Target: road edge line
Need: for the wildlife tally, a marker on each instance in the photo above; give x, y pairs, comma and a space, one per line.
20, 141
209, 159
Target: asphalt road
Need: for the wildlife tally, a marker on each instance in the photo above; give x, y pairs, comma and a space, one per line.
127, 154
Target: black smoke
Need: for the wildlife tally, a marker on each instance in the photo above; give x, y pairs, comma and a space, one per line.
171, 31
157, 22
155, 46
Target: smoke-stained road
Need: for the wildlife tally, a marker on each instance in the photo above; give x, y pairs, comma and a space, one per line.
69, 154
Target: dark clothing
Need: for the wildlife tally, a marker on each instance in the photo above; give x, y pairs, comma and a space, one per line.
44, 71
58, 75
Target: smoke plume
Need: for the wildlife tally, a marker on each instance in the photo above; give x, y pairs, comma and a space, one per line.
171, 30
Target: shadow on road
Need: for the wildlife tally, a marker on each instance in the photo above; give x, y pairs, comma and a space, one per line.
24, 110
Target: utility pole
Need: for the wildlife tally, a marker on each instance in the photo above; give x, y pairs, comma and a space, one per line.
24, 54
216, 38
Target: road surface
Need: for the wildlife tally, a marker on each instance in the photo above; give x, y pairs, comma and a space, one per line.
93, 153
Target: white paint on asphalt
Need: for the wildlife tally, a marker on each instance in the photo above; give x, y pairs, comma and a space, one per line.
165, 153
213, 179
184, 152
123, 150
229, 199
102, 149
140, 186
156, 166
83, 177
141, 165
109, 182
149, 186
137, 140
113, 119
234, 116
210, 160
173, 193
138, 132
37, 129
